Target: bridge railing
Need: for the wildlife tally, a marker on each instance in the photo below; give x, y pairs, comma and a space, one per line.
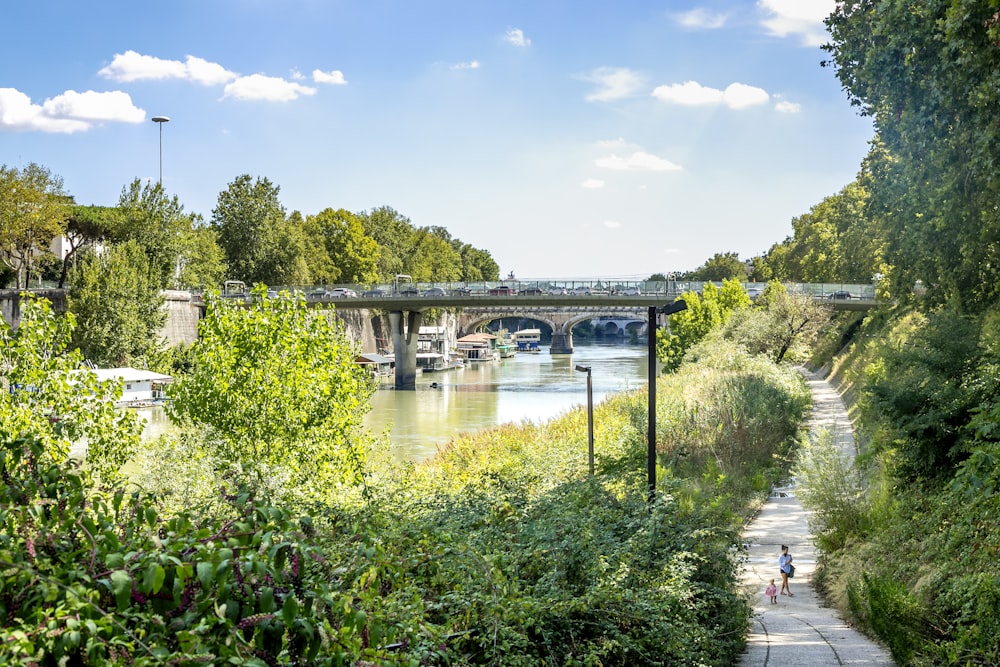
576, 287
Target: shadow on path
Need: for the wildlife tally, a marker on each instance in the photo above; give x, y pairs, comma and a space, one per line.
799, 630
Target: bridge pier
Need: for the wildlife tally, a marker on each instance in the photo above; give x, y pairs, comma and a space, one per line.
404, 346
562, 342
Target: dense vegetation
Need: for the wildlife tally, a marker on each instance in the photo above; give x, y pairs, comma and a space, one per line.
226, 545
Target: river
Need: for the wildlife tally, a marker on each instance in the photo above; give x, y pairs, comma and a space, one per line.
528, 386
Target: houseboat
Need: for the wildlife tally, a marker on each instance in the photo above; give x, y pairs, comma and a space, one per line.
140, 387
433, 352
379, 365
527, 340
478, 347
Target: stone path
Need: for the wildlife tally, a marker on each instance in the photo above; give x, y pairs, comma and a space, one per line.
799, 630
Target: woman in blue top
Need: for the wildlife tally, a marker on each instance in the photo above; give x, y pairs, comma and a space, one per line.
784, 564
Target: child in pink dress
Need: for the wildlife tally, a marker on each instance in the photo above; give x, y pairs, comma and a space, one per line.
772, 592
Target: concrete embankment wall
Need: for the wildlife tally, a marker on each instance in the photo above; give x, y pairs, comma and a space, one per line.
367, 327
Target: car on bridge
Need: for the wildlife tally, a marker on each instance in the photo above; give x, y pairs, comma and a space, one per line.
502, 290
582, 290
376, 292
533, 290
435, 291
631, 291
558, 291
842, 294
341, 292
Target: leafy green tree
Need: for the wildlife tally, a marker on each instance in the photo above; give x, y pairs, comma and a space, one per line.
477, 264
158, 224
33, 212
777, 323
704, 312
258, 244
321, 268
278, 385
86, 226
392, 231
353, 254
118, 307
928, 74
432, 258
47, 395
203, 264
720, 266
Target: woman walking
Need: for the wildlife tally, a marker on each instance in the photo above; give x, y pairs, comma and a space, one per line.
785, 566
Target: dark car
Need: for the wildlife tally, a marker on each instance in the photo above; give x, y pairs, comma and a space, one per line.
842, 294
374, 293
534, 289
434, 291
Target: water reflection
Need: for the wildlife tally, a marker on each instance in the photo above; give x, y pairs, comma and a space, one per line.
528, 387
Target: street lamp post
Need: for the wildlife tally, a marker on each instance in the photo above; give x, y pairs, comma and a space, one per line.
590, 416
669, 309
160, 120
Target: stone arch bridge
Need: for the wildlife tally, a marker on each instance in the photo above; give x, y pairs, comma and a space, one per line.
615, 319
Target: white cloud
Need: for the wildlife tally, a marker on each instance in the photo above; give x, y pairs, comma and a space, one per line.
474, 64
741, 96
268, 88
637, 161
613, 83
66, 113
612, 224
132, 66
802, 18
701, 19
516, 37
787, 107
334, 77
114, 106
692, 93
592, 184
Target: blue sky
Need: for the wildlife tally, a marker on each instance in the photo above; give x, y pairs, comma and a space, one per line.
571, 139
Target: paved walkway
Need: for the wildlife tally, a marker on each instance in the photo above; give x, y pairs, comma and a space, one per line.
799, 630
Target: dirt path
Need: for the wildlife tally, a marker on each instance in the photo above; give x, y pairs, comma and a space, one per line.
798, 630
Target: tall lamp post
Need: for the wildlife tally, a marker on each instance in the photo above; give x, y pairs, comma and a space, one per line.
590, 416
669, 309
160, 120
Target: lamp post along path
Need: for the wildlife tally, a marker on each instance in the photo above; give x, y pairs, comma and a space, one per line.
590, 416
669, 309
160, 120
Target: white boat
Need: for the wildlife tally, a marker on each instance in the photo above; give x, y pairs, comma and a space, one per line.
527, 340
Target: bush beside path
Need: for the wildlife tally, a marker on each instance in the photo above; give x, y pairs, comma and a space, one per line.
800, 630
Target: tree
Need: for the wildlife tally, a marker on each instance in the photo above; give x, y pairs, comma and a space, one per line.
476, 264
392, 231
928, 73
704, 312
33, 212
720, 267
118, 307
277, 384
158, 224
353, 254
46, 394
432, 258
203, 264
249, 220
777, 322
86, 226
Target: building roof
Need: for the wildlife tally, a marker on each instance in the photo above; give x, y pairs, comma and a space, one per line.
477, 338
126, 374
373, 358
